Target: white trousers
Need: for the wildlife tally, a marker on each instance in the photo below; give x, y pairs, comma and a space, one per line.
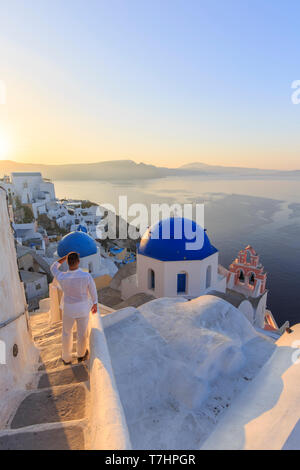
67, 336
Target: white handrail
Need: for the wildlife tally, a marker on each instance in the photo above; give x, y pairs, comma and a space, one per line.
108, 430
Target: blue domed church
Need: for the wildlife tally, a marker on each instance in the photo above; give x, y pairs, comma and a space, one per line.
176, 258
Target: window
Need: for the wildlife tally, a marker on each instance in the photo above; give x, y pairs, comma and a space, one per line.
208, 277
252, 279
241, 277
151, 279
181, 283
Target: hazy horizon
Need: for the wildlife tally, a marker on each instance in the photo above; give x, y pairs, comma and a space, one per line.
164, 83
180, 165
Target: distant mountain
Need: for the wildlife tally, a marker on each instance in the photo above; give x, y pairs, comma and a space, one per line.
129, 170
110, 170
234, 171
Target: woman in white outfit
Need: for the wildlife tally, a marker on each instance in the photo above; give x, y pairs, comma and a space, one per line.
79, 298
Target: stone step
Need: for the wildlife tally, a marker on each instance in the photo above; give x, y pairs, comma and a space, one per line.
51, 352
54, 341
39, 319
45, 343
47, 335
57, 404
68, 375
40, 323
38, 326
53, 416
57, 437
57, 363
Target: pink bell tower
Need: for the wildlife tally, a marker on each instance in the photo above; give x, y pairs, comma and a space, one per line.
246, 274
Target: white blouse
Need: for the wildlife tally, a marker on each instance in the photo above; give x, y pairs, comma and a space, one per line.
79, 291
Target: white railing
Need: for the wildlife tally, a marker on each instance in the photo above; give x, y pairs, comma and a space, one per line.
108, 427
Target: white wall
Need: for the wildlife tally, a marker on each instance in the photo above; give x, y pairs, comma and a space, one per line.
38, 208
166, 276
144, 263
32, 290
17, 370
108, 427
30, 186
196, 275
265, 416
48, 187
129, 287
260, 311
247, 310
92, 263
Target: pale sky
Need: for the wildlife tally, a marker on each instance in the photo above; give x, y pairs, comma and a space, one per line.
166, 82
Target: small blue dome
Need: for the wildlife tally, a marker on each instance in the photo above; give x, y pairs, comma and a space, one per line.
82, 228
77, 241
176, 239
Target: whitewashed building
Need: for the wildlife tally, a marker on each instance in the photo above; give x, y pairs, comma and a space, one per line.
171, 262
32, 187
168, 265
36, 285
17, 352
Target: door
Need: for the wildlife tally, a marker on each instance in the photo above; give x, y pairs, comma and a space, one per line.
181, 283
